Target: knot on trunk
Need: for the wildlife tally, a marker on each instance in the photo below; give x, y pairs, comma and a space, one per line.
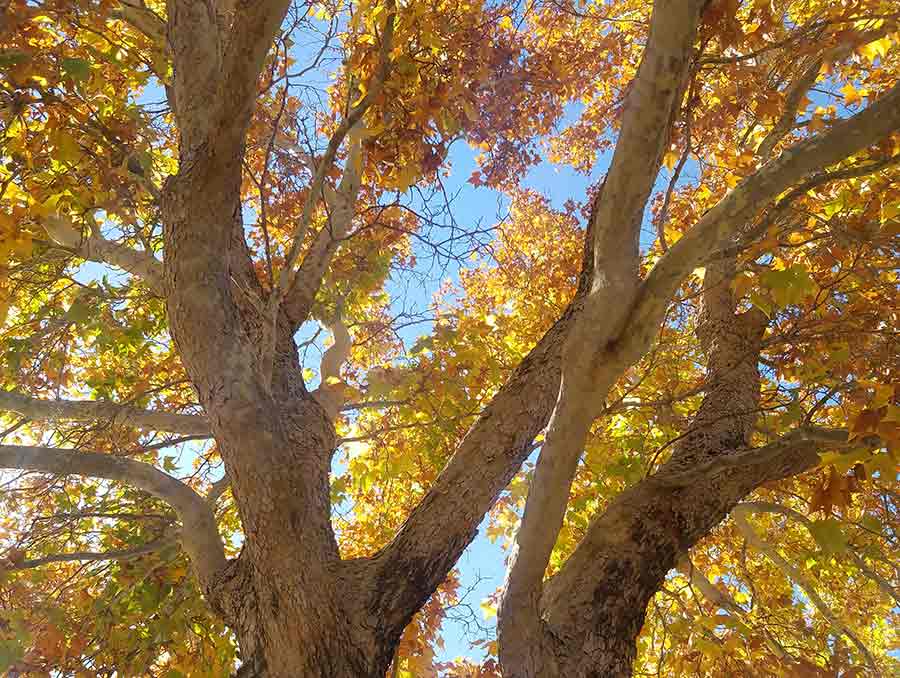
232, 594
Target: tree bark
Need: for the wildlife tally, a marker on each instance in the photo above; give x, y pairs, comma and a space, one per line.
591, 612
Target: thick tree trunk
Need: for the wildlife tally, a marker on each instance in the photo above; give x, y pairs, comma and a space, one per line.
295, 607
289, 626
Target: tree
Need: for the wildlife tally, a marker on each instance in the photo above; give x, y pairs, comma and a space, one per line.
164, 260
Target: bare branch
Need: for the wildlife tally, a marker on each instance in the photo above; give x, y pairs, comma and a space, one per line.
94, 247
88, 556
201, 538
94, 410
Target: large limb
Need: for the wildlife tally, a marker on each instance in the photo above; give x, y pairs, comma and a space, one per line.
404, 574
723, 223
426, 546
275, 439
598, 599
254, 25
200, 536
99, 411
653, 101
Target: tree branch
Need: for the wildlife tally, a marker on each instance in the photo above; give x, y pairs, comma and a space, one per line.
94, 410
769, 507
799, 88
341, 205
739, 207
331, 391
145, 20
201, 538
94, 247
722, 600
427, 545
348, 190
653, 102
88, 556
196, 45
253, 29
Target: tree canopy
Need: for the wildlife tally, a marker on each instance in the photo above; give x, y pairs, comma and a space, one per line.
215, 219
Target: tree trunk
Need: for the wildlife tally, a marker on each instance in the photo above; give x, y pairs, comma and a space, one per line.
289, 625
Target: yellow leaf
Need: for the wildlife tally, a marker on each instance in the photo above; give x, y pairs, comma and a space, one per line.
506, 23
851, 94
875, 49
67, 149
670, 159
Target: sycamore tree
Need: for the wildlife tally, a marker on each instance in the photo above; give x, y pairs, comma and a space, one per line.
221, 454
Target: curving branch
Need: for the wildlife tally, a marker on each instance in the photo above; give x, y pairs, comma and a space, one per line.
200, 535
95, 410
653, 102
426, 546
331, 391
94, 247
144, 19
